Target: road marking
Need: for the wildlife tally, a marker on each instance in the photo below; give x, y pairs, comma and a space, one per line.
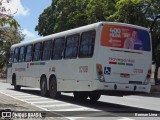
74, 118
22, 94
67, 104
74, 109
49, 101
48, 104
134, 99
125, 118
33, 99
27, 96
92, 114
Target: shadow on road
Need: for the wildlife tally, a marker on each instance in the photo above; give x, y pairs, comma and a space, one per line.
102, 106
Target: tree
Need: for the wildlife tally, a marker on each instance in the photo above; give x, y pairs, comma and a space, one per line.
45, 26
144, 13
100, 10
62, 15
67, 14
9, 33
8, 37
6, 17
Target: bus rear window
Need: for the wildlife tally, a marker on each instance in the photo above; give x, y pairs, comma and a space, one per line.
125, 37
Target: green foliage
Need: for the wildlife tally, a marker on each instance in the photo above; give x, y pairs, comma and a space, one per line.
9, 21
100, 10
9, 34
131, 11
67, 14
6, 18
47, 21
62, 15
8, 37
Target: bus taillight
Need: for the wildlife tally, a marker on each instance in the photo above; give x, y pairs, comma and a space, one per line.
148, 74
100, 73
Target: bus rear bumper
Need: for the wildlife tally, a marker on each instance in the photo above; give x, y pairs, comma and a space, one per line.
125, 87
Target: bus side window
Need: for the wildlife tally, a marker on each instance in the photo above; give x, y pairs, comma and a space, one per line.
22, 54
71, 46
11, 55
16, 55
47, 46
37, 52
58, 47
28, 57
87, 42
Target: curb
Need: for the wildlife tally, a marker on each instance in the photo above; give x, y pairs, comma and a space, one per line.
3, 80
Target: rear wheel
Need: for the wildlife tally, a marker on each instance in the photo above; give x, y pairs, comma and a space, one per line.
43, 86
80, 95
53, 88
16, 87
94, 96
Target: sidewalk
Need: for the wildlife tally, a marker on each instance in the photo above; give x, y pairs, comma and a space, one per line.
3, 80
8, 104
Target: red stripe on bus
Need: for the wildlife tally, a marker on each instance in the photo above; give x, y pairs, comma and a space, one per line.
31, 63
112, 62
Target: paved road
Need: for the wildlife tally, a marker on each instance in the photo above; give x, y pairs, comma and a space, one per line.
66, 106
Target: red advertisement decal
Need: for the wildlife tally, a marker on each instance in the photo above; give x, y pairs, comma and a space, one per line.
126, 37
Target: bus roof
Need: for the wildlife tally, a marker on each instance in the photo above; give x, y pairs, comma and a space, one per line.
73, 31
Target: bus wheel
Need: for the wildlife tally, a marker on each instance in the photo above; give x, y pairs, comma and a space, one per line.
80, 95
53, 88
43, 86
16, 87
94, 96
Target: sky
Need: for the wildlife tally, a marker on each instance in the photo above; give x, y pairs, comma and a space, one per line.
26, 12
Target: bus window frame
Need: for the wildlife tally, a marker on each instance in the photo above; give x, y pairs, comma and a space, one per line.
93, 44
53, 48
77, 51
16, 55
42, 53
30, 53
22, 54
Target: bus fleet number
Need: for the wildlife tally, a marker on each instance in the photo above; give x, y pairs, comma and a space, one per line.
83, 69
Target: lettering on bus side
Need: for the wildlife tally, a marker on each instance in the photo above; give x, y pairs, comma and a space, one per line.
138, 71
115, 32
20, 69
83, 69
52, 69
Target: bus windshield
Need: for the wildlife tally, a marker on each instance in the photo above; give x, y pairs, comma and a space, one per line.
125, 37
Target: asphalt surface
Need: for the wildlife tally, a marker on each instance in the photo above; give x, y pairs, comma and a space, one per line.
9, 104
108, 107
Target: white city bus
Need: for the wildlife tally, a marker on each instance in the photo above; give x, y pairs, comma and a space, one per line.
88, 61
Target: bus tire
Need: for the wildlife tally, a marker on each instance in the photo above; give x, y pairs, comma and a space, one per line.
80, 95
53, 88
16, 87
94, 96
43, 86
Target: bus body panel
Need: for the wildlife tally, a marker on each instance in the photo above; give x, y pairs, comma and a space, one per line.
123, 67
80, 74
136, 70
